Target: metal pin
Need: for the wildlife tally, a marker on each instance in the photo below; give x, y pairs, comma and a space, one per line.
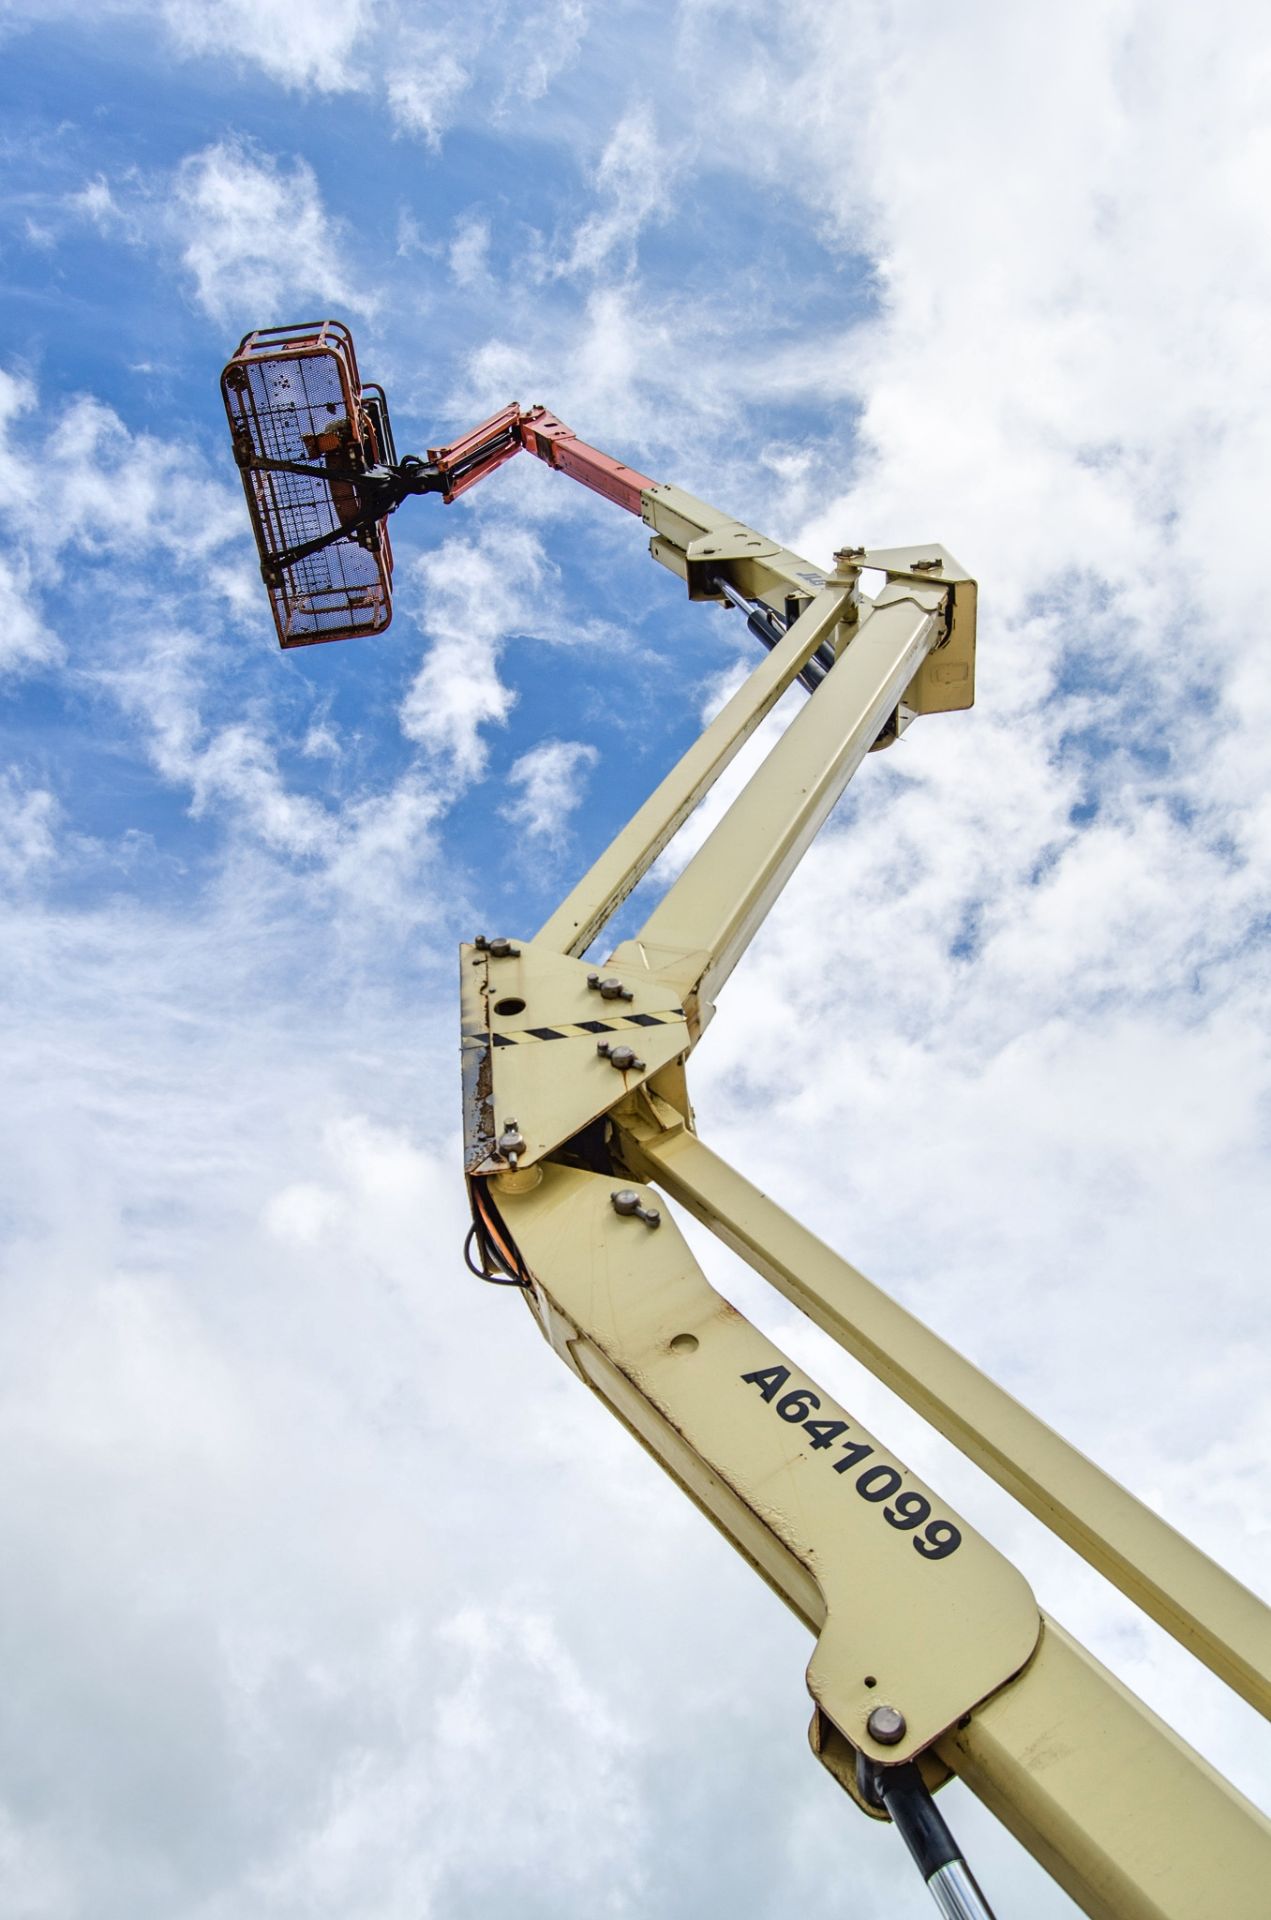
497, 949
511, 1143
610, 989
627, 1201
622, 1057
887, 1725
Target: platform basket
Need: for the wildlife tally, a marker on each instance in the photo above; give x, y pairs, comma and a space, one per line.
293, 393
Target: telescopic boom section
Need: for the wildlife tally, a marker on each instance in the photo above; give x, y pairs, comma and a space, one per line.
542, 433
496, 440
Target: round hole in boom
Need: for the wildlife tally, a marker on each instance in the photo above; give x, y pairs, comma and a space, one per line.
684, 1343
510, 1005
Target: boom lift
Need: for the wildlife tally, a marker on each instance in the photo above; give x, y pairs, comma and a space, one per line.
931, 1657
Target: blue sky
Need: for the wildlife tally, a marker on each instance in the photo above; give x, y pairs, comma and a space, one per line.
319, 1553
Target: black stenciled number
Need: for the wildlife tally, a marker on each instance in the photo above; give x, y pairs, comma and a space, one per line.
798, 1405
878, 1483
938, 1540
910, 1510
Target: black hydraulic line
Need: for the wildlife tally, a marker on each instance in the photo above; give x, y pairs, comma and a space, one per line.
495, 444
486, 1271
495, 1262
770, 627
936, 1854
922, 1826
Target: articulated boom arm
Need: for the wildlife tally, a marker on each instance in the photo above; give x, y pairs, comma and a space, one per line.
931, 1655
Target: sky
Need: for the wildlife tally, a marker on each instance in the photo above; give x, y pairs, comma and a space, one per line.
329, 1592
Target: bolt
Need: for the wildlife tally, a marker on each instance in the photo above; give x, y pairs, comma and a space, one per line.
610, 989
927, 566
627, 1201
886, 1725
622, 1057
511, 1143
497, 949
846, 555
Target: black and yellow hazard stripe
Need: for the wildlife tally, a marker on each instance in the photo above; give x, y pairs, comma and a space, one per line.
520, 1036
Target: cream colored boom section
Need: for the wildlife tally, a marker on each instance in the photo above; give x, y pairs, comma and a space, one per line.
606, 884
1128, 1819
1199, 1603
699, 930
1124, 1815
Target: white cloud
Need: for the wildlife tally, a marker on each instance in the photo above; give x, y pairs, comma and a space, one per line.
78, 485
311, 44
387, 844
634, 184
255, 236
32, 1870
477, 594
302, 1213
80, 482
425, 82
331, 47
321, 742
124, 493
369, 850
496, 1668
96, 202
260, 1501
28, 817
251, 231
238, 764
79, 490
25, 641
548, 42
17, 397
552, 779
469, 251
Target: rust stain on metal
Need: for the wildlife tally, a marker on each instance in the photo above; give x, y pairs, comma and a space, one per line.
475, 1060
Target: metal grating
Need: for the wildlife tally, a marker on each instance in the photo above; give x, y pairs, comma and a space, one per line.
293, 393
